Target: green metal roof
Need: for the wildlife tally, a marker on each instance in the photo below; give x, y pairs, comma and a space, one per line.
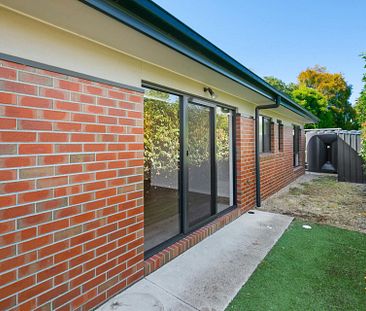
150, 19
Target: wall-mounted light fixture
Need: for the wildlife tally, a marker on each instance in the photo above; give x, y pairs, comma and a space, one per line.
210, 91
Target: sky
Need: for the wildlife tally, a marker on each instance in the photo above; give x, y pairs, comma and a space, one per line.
283, 37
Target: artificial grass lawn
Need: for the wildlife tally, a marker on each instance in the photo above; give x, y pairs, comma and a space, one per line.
319, 269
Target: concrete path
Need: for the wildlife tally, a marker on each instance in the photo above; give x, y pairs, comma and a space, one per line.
209, 275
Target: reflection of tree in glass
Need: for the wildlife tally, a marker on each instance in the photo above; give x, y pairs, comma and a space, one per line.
161, 126
161, 139
198, 138
222, 136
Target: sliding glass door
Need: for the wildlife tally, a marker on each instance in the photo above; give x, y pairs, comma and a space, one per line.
161, 169
200, 163
189, 164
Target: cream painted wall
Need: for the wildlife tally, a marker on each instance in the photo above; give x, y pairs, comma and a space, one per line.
31, 39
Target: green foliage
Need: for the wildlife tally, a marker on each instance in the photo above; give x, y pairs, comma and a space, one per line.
162, 133
287, 89
316, 103
336, 91
161, 126
323, 93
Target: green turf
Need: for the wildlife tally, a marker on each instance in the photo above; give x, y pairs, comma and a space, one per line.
319, 269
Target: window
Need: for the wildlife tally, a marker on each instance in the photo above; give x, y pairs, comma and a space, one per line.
296, 144
189, 164
161, 169
264, 134
280, 135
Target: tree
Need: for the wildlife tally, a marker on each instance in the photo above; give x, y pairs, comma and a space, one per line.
361, 111
336, 91
281, 85
316, 103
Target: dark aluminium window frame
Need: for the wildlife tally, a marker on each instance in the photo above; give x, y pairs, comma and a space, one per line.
280, 135
185, 98
269, 134
296, 145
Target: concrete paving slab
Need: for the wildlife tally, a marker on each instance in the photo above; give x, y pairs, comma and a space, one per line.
209, 275
145, 296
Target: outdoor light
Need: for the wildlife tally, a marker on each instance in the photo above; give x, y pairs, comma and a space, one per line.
210, 91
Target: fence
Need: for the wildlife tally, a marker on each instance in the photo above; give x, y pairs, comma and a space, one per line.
335, 151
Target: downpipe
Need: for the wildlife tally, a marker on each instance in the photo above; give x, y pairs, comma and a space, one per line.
257, 155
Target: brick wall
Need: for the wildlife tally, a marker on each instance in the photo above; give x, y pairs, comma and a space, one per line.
71, 199
245, 162
277, 169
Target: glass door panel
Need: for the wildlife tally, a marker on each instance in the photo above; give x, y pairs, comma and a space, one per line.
224, 158
199, 162
161, 168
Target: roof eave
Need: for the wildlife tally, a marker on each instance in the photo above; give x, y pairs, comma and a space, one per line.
190, 44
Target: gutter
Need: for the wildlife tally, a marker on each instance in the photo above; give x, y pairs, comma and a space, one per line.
257, 155
153, 21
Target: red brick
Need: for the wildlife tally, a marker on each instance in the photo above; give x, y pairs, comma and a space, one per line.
34, 291
35, 102
35, 125
17, 161
92, 109
53, 137
53, 226
16, 287
7, 175
70, 106
18, 136
7, 200
68, 127
34, 220
55, 115
52, 182
8, 124
82, 137
52, 249
52, 271
16, 186
35, 79
7, 98
53, 93
7, 252
19, 112
7, 278
53, 159
16, 87
68, 85
69, 169
67, 148
67, 297
83, 98
34, 196
51, 204
35, 148
79, 117
34, 267
94, 128
35, 243
69, 190
7, 226
36, 172
8, 303
93, 90
8, 73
